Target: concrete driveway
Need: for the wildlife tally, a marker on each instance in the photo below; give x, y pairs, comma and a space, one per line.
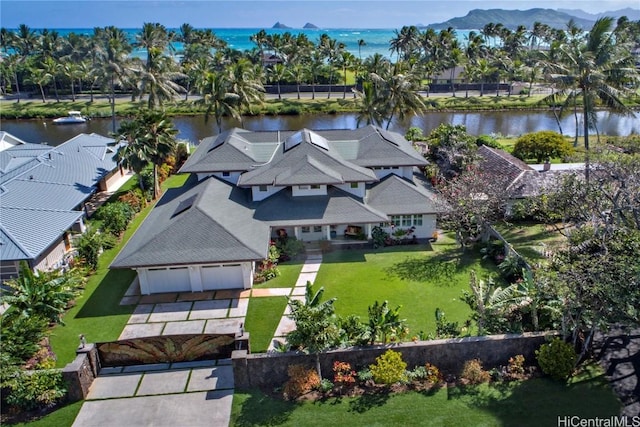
190, 394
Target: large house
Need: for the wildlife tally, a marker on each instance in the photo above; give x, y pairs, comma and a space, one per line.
43, 193
250, 187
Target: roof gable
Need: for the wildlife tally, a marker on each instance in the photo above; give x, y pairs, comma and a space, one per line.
394, 196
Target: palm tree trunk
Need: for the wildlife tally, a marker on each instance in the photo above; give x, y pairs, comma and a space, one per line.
113, 106
298, 88
15, 75
586, 140
156, 184
55, 90
44, 100
73, 91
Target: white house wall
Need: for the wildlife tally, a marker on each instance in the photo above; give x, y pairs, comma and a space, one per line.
196, 278
52, 257
358, 192
306, 190
231, 178
258, 195
423, 231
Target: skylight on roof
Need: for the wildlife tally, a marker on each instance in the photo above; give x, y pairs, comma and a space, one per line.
184, 205
305, 135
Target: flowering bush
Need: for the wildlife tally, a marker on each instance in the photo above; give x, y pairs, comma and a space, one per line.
433, 374
515, 369
474, 373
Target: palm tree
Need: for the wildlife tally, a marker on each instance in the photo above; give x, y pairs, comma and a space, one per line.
400, 94
245, 84
217, 97
346, 61
361, 43
276, 74
111, 51
150, 138
595, 68
39, 77
370, 105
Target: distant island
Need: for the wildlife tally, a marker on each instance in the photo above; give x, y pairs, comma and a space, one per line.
281, 26
310, 26
511, 19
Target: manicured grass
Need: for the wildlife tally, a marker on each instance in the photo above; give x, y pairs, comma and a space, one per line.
62, 417
420, 278
98, 313
289, 272
530, 239
537, 402
263, 316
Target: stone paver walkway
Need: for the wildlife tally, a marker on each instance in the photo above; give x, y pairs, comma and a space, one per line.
307, 274
184, 312
181, 394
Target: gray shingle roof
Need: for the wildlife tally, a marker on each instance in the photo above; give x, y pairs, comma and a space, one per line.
242, 150
41, 186
303, 164
337, 207
395, 196
216, 227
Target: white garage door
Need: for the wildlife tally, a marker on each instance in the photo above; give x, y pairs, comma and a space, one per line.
228, 276
169, 279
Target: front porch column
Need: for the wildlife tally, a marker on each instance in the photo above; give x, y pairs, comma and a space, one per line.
195, 278
368, 228
296, 232
328, 230
144, 281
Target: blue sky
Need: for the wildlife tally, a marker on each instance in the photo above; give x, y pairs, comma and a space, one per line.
264, 13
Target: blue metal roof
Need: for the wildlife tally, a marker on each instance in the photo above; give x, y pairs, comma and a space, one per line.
41, 186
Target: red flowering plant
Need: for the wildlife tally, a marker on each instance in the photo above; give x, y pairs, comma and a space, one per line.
343, 375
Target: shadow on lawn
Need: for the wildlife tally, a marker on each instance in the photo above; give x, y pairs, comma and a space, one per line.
260, 409
359, 255
441, 266
538, 401
105, 300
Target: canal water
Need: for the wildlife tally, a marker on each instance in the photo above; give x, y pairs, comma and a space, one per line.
195, 128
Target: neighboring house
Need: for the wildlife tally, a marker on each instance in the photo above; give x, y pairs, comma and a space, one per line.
251, 187
522, 180
43, 191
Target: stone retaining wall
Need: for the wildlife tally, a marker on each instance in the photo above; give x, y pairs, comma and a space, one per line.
270, 370
80, 373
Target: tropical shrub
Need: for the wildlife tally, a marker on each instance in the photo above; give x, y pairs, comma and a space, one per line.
542, 146
445, 329
385, 323
21, 334
379, 236
301, 381
135, 199
354, 332
289, 248
45, 294
433, 374
557, 359
35, 389
365, 375
474, 373
115, 217
389, 368
91, 244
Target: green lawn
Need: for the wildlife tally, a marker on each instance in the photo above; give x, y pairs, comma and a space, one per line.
98, 313
537, 402
289, 272
62, 417
530, 239
263, 316
420, 278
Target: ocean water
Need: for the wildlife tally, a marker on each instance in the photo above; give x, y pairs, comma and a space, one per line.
376, 39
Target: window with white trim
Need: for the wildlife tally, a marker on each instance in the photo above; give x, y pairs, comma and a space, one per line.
317, 228
406, 221
226, 173
417, 220
354, 185
262, 188
306, 229
315, 187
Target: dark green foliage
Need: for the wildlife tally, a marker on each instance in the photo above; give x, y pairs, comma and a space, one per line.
557, 359
451, 149
289, 247
385, 323
542, 146
354, 332
379, 236
445, 329
21, 334
91, 243
43, 294
115, 217
489, 141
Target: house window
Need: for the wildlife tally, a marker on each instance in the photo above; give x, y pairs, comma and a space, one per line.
406, 220
315, 187
262, 188
225, 174
417, 220
306, 229
317, 228
396, 220
303, 187
354, 185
